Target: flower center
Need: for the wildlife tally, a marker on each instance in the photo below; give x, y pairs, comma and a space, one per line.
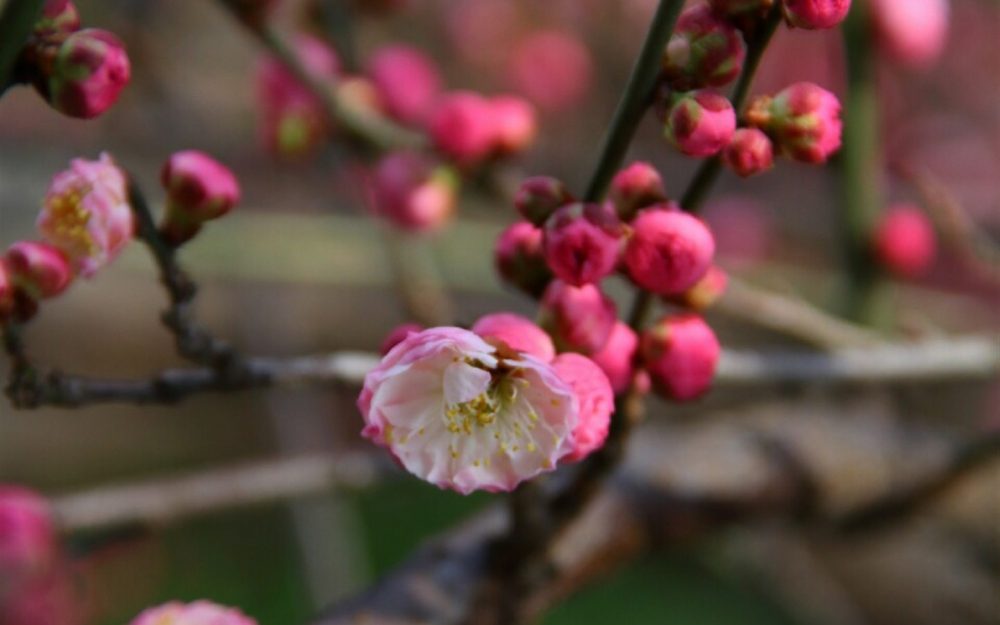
69, 220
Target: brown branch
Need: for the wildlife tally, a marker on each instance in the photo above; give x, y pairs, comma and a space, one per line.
164, 501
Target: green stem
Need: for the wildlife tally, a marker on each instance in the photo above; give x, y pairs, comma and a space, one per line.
635, 100
860, 299
16, 23
710, 169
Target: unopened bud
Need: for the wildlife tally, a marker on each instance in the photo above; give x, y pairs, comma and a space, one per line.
595, 399
705, 293
38, 270
617, 357
518, 333
199, 189
905, 242
515, 124
59, 19
539, 197
637, 186
397, 336
803, 120
704, 51
461, 127
88, 74
750, 152
414, 192
680, 353
519, 258
669, 250
407, 80
582, 242
700, 123
816, 14
579, 319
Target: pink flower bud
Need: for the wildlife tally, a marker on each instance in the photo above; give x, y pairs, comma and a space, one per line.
518, 333
197, 613
519, 258
582, 243
552, 69
397, 336
705, 293
617, 357
407, 81
199, 189
461, 127
736, 8
8, 298
596, 400
88, 74
38, 270
704, 51
913, 32
515, 124
637, 186
293, 122
803, 120
681, 353
28, 540
669, 250
413, 192
359, 95
86, 213
700, 123
538, 197
59, 18
457, 412
816, 14
750, 152
579, 319
904, 241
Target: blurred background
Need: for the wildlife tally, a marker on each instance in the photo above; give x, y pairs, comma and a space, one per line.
299, 269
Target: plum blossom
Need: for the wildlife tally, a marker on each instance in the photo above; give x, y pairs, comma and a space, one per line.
86, 213
455, 411
196, 613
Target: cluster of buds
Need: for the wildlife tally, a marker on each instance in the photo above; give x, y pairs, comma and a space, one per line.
199, 189
563, 248
706, 51
79, 72
486, 408
85, 222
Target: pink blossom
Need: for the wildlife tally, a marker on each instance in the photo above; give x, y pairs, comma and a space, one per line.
86, 213
28, 540
704, 51
750, 152
515, 124
37, 270
637, 186
88, 74
407, 80
582, 243
816, 14
196, 613
539, 196
803, 120
911, 31
680, 353
519, 258
617, 356
413, 192
595, 398
669, 250
579, 319
199, 189
700, 123
456, 413
904, 241
396, 337
461, 127
552, 69
518, 333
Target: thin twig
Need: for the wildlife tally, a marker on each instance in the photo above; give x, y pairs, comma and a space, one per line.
16, 23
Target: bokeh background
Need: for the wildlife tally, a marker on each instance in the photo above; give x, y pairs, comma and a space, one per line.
299, 268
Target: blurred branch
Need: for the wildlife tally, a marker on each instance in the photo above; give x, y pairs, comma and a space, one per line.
976, 248
165, 501
16, 23
710, 169
791, 316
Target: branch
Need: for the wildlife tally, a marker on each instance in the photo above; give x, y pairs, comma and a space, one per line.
16, 23
165, 501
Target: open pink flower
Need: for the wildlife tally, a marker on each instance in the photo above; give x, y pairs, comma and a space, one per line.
456, 413
197, 613
86, 213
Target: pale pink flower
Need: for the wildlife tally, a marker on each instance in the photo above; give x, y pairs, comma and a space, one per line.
196, 613
596, 399
456, 413
519, 333
86, 213
396, 337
